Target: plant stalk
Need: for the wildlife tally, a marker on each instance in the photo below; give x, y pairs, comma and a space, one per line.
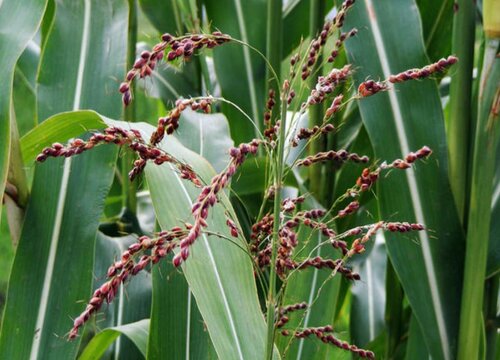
478, 229
129, 188
492, 288
317, 16
460, 102
274, 46
278, 184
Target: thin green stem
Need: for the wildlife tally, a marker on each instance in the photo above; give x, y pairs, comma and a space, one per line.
460, 101
278, 184
129, 188
274, 45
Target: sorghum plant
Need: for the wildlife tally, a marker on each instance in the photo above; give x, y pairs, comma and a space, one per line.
275, 244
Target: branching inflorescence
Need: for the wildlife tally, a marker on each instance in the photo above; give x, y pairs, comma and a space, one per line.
292, 214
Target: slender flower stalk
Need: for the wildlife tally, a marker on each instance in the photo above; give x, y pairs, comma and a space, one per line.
278, 182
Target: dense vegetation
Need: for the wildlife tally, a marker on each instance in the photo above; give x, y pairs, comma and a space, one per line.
249, 179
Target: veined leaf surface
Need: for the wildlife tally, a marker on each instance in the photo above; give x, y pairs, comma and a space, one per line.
83, 52
400, 121
19, 21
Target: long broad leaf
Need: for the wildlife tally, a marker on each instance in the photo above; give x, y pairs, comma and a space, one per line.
240, 71
493, 265
207, 135
177, 330
368, 297
137, 332
437, 24
58, 128
19, 21
409, 118
219, 272
84, 51
134, 300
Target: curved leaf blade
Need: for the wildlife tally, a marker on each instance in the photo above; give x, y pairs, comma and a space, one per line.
177, 333
58, 128
219, 272
137, 332
411, 117
240, 71
19, 21
133, 302
75, 72
207, 135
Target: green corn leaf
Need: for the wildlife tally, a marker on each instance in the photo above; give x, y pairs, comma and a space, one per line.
219, 271
416, 348
172, 82
19, 21
315, 287
493, 265
240, 70
487, 136
164, 15
137, 332
437, 24
181, 334
368, 295
206, 135
83, 53
398, 122
133, 302
58, 128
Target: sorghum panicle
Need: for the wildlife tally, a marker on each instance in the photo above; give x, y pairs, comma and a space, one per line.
174, 48
138, 255
208, 197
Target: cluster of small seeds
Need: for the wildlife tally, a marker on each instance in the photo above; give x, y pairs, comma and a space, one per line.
232, 227
260, 231
111, 135
409, 159
412, 74
120, 137
339, 19
158, 156
349, 209
339, 42
284, 311
305, 133
270, 130
357, 246
287, 243
369, 177
403, 227
315, 49
168, 124
208, 197
371, 87
132, 261
334, 107
324, 334
327, 84
340, 156
289, 204
320, 263
180, 47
